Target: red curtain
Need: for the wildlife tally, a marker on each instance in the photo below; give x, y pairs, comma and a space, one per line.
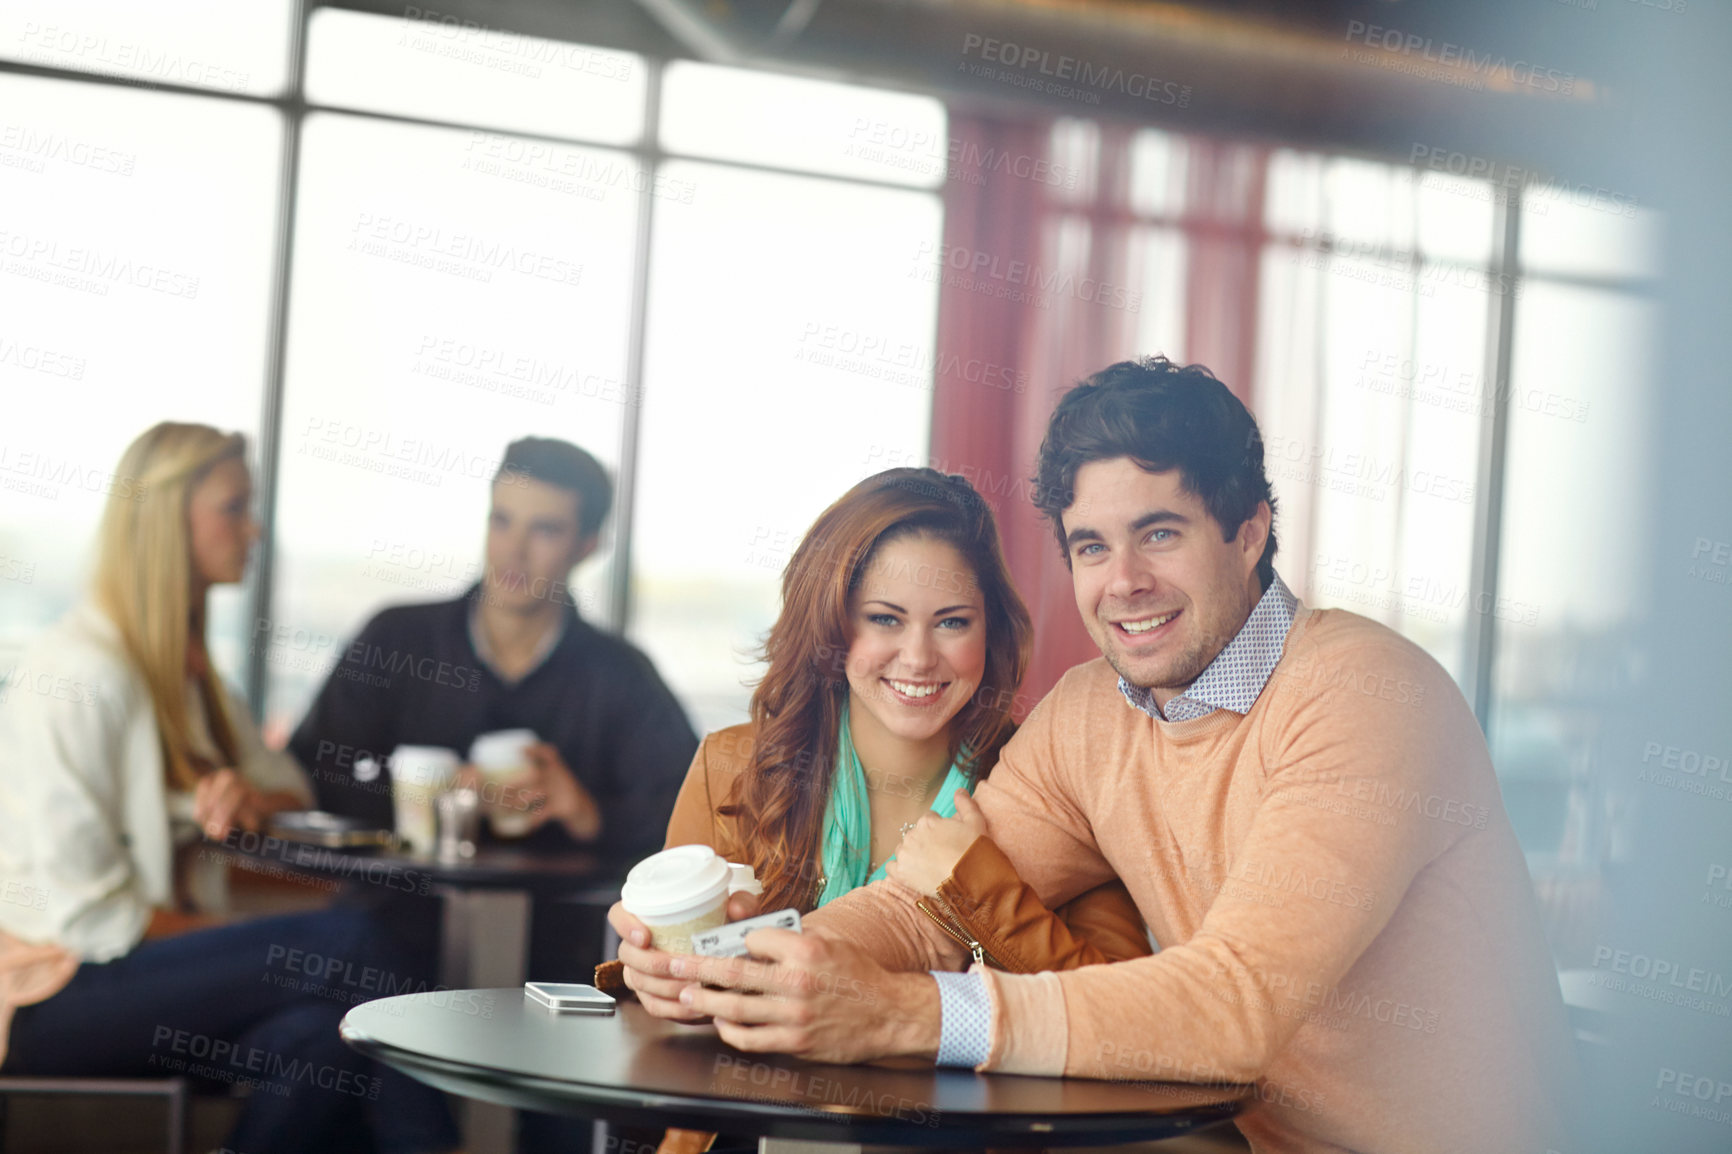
1224, 195
1042, 282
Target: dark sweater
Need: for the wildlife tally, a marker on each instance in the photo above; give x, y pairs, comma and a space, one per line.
412, 676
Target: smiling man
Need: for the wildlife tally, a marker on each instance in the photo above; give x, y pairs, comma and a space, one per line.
1299, 800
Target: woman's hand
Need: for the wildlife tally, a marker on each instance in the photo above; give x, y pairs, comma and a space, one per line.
933, 847
648, 971
224, 802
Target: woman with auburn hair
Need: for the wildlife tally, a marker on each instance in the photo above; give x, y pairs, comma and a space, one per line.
893, 666
119, 748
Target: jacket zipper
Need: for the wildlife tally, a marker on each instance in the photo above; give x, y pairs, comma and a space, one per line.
951, 926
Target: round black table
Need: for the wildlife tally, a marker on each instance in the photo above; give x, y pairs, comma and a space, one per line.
501, 1046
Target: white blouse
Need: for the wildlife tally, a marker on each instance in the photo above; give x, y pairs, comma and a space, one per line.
84, 810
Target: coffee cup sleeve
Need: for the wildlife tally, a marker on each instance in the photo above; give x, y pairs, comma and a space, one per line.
610, 979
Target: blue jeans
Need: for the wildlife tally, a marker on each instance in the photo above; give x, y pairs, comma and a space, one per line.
254, 1004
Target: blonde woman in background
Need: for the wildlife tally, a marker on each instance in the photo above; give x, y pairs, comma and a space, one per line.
119, 749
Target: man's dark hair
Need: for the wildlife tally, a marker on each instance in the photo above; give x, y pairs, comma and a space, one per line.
1162, 416
563, 464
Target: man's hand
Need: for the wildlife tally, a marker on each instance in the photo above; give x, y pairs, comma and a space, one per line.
551, 790
812, 997
647, 970
933, 847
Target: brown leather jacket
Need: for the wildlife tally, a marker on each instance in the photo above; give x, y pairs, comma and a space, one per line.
983, 903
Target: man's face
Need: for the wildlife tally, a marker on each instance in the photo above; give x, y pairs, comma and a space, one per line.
1158, 589
532, 543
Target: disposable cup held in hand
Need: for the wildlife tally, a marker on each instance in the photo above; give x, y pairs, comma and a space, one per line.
502, 756
684, 891
418, 772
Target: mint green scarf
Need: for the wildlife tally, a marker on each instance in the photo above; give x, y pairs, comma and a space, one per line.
847, 847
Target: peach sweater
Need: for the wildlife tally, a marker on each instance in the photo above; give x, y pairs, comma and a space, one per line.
1345, 915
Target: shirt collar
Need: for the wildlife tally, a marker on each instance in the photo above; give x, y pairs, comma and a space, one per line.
478, 641
1237, 675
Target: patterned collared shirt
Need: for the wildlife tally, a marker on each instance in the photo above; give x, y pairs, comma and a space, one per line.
1232, 681
1238, 673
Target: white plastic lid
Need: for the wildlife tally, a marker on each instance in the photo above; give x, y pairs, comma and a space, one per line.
426, 765
501, 749
674, 880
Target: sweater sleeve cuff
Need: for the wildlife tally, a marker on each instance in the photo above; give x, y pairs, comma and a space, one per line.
1030, 1030
965, 1019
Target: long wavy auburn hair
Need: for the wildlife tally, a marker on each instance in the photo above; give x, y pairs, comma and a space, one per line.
796, 709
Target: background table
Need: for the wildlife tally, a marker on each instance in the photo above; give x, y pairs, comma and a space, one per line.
487, 898
500, 1046
487, 904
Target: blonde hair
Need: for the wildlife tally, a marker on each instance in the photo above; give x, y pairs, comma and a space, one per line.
143, 581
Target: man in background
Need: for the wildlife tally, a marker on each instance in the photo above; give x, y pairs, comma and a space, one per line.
513, 653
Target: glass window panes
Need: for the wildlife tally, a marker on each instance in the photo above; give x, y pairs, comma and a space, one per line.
135, 287
1585, 230
812, 125
771, 385
1371, 401
1159, 170
468, 73
1368, 209
214, 44
1076, 147
1293, 198
1161, 254
1456, 218
1576, 406
443, 307
1573, 555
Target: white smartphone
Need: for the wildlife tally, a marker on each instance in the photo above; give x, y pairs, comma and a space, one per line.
729, 941
570, 998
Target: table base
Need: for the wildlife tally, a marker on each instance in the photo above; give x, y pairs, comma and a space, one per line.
482, 943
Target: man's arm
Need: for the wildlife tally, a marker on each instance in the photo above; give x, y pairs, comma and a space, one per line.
1311, 886
1031, 817
349, 719
649, 749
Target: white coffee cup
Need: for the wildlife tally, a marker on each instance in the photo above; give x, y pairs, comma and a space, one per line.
501, 756
684, 891
418, 772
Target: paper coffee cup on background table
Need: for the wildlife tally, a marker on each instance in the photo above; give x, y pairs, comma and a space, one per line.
418, 772
501, 757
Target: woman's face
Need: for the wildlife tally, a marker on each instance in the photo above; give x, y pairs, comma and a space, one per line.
220, 523
918, 648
